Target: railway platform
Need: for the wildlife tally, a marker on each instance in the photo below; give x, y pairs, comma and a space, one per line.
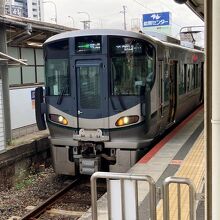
23, 152
179, 155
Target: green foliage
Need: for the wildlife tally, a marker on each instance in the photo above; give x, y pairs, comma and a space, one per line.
24, 183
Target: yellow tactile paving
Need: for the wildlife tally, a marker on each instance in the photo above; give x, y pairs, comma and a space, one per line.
193, 167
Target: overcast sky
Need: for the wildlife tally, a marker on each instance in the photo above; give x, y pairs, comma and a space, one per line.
106, 13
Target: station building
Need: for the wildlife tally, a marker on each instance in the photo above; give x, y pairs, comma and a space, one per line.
24, 57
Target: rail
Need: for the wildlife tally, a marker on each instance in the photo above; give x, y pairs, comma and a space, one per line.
193, 196
49, 202
122, 178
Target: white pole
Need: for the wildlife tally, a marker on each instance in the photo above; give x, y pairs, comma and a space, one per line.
208, 107
216, 112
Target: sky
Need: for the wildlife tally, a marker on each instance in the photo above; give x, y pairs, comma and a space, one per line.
107, 13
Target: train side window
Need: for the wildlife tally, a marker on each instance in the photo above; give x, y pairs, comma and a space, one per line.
188, 78
200, 74
182, 80
166, 83
196, 75
193, 77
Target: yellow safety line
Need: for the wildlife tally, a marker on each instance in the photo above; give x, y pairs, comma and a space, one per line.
193, 167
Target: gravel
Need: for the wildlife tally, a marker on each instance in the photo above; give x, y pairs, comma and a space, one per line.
31, 191
36, 188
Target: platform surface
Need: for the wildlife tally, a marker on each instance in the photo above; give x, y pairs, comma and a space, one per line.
180, 153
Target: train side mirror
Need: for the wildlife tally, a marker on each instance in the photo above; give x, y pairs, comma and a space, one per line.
142, 91
180, 1
39, 113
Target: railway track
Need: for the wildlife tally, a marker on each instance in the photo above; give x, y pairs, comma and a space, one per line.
43, 207
65, 202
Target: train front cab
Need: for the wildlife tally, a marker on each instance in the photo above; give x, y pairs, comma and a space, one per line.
88, 117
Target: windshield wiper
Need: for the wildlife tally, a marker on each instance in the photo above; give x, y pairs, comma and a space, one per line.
60, 98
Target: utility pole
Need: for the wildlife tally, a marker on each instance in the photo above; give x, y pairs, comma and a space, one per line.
4, 77
124, 13
86, 23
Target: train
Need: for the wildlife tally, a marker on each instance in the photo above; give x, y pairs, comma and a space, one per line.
109, 93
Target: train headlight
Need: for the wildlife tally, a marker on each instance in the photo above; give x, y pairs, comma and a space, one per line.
58, 119
127, 120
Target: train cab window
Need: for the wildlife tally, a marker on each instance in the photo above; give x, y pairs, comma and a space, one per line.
57, 68
132, 65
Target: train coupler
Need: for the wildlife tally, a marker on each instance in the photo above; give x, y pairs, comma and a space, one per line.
89, 166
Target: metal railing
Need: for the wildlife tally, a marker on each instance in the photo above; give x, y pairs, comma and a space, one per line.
192, 197
152, 194
122, 177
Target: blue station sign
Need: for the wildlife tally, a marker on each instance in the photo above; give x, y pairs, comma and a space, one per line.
156, 19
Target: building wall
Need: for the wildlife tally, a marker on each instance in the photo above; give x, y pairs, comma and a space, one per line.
2, 136
22, 82
25, 8
26, 75
22, 108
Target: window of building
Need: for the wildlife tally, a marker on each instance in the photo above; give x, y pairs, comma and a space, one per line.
14, 76
31, 74
28, 54
28, 74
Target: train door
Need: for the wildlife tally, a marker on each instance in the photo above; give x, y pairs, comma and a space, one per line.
92, 106
173, 69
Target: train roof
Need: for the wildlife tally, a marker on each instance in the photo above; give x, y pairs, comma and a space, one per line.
117, 32
92, 32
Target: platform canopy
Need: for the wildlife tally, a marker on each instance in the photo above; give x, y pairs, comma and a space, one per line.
25, 32
197, 6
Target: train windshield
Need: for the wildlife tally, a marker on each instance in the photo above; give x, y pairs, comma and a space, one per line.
57, 68
132, 65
